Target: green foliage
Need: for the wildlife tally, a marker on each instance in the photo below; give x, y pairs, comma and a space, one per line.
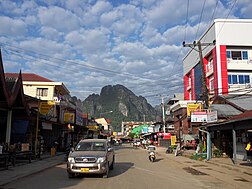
199, 156
217, 153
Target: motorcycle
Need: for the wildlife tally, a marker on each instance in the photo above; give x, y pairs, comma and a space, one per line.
169, 150
152, 155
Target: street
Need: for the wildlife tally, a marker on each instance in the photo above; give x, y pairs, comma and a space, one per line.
133, 170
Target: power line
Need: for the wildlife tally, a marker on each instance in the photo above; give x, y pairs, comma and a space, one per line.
187, 8
30, 58
227, 16
200, 19
45, 57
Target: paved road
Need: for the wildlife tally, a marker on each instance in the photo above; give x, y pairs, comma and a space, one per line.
133, 170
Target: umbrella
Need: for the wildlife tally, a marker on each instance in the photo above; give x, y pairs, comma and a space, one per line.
138, 130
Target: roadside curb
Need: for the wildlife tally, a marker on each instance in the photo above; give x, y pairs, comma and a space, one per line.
33, 168
233, 167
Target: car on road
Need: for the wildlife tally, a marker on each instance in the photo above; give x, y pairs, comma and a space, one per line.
91, 156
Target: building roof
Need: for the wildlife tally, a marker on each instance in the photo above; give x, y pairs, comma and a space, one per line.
244, 102
247, 114
28, 77
225, 110
176, 97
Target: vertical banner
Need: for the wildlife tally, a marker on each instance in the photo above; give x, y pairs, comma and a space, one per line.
173, 140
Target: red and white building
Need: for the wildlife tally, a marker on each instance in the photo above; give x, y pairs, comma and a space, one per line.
227, 63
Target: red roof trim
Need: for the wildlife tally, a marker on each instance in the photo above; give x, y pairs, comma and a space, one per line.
246, 114
29, 77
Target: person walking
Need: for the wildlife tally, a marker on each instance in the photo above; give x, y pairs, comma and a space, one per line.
248, 150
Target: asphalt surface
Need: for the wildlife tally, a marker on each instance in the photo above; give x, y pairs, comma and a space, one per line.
25, 169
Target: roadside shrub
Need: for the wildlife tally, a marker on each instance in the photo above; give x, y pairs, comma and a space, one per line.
217, 153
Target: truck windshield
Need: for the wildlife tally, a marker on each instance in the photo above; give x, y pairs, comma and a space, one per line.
90, 146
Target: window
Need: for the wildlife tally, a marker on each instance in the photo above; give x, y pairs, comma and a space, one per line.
237, 55
42, 91
212, 85
246, 78
245, 55
210, 65
229, 79
238, 79
234, 79
228, 54
241, 79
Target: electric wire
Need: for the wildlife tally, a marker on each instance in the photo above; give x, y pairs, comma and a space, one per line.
187, 11
227, 17
92, 67
76, 68
201, 14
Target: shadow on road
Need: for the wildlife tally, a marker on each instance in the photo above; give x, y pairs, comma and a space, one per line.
119, 168
158, 159
248, 164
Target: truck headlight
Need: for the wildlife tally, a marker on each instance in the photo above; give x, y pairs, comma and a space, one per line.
101, 159
70, 160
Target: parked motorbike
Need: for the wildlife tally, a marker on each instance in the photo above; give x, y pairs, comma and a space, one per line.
169, 150
152, 155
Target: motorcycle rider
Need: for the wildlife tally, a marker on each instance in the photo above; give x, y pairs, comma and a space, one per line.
151, 150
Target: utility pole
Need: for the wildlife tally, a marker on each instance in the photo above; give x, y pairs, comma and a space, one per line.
163, 111
204, 84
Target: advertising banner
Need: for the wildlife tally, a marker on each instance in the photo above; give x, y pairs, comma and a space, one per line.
203, 117
193, 107
47, 110
69, 117
173, 140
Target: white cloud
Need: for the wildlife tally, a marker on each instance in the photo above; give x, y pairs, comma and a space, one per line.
12, 27
166, 13
31, 20
137, 43
51, 33
58, 18
132, 51
89, 41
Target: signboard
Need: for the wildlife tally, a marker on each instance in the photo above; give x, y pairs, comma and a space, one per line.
173, 140
203, 117
114, 133
193, 107
47, 126
212, 116
165, 135
93, 127
47, 110
69, 117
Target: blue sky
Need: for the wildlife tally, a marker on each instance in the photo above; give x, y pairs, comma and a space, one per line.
88, 44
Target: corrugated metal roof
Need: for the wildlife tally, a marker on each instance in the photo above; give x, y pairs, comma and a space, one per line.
225, 110
244, 101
